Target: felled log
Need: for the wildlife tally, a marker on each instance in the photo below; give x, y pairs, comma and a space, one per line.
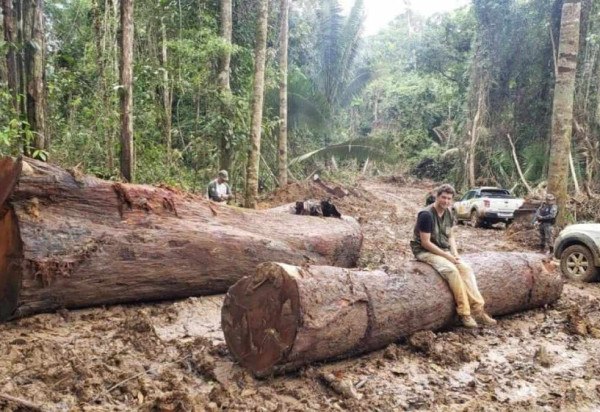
286, 316
68, 240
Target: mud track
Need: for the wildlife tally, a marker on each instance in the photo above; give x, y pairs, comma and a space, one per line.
171, 356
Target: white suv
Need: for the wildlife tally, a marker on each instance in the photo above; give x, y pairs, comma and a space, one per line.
484, 206
578, 248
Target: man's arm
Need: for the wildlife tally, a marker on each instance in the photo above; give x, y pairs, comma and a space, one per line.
433, 248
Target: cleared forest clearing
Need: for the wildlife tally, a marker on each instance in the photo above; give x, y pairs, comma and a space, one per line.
171, 356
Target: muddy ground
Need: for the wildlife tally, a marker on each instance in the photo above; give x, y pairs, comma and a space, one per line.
172, 357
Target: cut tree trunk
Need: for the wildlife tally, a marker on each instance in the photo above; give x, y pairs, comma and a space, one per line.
68, 240
285, 316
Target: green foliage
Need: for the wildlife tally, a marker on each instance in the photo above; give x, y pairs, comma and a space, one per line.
11, 125
360, 149
407, 97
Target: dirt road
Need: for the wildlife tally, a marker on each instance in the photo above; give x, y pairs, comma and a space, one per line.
171, 356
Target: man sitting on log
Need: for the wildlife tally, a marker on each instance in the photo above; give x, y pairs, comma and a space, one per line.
218, 189
434, 243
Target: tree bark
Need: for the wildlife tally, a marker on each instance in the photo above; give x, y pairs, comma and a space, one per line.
562, 111
284, 316
69, 240
283, 75
126, 95
33, 32
224, 81
10, 38
260, 51
165, 93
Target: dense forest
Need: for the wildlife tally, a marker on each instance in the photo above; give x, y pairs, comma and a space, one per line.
172, 91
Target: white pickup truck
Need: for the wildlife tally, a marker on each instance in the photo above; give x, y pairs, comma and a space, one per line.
484, 206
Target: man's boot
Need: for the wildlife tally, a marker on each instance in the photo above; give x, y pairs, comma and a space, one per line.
468, 321
486, 319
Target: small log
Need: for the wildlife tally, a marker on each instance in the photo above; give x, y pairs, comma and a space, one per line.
68, 240
286, 316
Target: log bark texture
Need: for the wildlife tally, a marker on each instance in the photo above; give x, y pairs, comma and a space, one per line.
286, 316
68, 240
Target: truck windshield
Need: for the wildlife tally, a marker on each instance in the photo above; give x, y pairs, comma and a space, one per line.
498, 193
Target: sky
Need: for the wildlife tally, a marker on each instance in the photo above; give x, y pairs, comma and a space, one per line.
381, 12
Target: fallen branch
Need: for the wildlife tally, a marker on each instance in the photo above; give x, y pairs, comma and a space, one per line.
137, 375
516, 160
588, 191
342, 387
573, 174
21, 402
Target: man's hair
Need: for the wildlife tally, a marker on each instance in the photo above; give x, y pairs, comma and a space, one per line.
445, 188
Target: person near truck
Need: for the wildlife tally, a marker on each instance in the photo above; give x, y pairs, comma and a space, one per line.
218, 189
434, 243
546, 217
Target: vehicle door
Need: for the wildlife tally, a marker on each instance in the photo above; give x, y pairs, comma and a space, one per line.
462, 206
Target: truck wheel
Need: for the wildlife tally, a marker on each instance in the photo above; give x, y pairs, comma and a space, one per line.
475, 220
455, 220
577, 263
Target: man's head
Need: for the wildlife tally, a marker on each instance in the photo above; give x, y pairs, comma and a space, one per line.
550, 198
223, 176
444, 195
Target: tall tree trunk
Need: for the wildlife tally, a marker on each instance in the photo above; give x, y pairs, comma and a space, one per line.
111, 47
283, 75
33, 33
224, 82
10, 38
474, 133
479, 86
20, 56
127, 153
562, 111
102, 31
260, 51
166, 100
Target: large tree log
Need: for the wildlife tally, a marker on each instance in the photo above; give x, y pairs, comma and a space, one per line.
68, 240
286, 316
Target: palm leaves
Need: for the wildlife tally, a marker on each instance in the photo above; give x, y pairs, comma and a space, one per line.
339, 39
360, 149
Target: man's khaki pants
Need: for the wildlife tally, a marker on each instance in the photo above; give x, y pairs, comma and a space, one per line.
461, 280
